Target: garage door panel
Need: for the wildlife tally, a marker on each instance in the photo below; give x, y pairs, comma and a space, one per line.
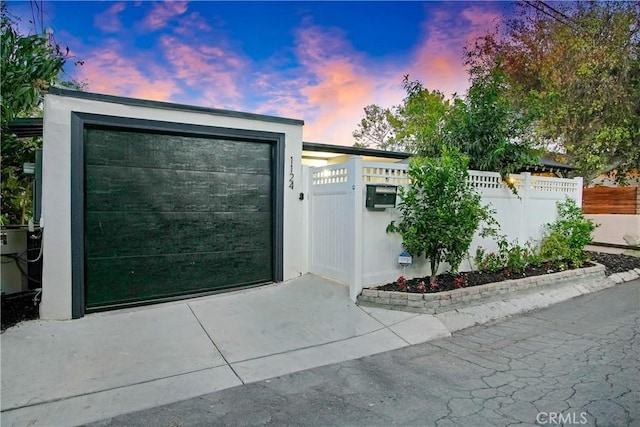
168, 215
148, 150
137, 189
114, 234
115, 281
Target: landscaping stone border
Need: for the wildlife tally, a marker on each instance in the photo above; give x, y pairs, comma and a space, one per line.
439, 302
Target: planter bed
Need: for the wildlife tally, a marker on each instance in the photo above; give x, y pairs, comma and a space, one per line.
437, 302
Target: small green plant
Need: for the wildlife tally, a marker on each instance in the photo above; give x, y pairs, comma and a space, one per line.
566, 237
511, 256
555, 250
488, 262
533, 254
517, 258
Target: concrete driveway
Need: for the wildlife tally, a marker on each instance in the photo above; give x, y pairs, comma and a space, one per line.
73, 372
575, 360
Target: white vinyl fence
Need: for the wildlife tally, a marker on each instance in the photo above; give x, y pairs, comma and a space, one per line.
349, 243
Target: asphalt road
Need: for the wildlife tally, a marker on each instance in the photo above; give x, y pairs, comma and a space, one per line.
576, 363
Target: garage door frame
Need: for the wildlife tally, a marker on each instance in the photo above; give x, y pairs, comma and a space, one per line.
80, 121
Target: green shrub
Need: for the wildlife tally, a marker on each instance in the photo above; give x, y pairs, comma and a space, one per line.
440, 211
510, 256
533, 254
555, 250
488, 262
566, 237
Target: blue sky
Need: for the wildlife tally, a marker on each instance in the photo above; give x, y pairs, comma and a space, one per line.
318, 61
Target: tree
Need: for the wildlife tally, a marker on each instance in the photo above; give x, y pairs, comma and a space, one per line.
413, 126
375, 129
489, 128
419, 120
29, 65
440, 211
485, 125
578, 65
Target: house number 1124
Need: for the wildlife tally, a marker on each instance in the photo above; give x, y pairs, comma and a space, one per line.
291, 175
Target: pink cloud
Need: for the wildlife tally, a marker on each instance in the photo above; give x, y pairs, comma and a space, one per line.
192, 23
109, 21
282, 94
107, 71
438, 61
480, 16
335, 82
212, 70
162, 12
330, 88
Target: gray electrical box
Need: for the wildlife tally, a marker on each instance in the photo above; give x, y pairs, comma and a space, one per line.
13, 243
381, 196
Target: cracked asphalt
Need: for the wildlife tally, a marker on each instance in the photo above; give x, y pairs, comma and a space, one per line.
575, 363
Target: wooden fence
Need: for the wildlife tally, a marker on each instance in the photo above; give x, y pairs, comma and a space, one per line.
611, 200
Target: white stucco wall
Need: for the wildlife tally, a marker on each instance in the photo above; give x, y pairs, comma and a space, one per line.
612, 228
56, 197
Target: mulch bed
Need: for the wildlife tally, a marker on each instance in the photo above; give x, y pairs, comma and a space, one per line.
18, 307
614, 263
449, 282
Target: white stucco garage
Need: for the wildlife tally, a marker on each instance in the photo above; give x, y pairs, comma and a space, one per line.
102, 155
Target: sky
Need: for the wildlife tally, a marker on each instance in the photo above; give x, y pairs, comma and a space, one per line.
321, 62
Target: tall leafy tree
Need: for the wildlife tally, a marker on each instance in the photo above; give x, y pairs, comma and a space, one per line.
488, 127
29, 64
578, 65
414, 126
485, 125
375, 129
420, 118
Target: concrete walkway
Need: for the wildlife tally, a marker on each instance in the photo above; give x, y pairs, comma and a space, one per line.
59, 373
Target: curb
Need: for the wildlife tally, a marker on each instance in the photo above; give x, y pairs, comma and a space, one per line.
625, 276
522, 299
440, 302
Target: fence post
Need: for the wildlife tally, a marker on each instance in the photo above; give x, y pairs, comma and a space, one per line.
580, 183
525, 195
355, 174
306, 217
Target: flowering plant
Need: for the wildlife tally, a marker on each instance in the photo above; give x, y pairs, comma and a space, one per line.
402, 283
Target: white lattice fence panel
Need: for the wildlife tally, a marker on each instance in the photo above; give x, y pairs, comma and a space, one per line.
554, 185
493, 181
384, 173
330, 175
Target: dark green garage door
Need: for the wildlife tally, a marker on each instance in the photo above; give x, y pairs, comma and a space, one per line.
171, 215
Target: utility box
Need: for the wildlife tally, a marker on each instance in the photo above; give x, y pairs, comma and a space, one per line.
14, 271
380, 196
